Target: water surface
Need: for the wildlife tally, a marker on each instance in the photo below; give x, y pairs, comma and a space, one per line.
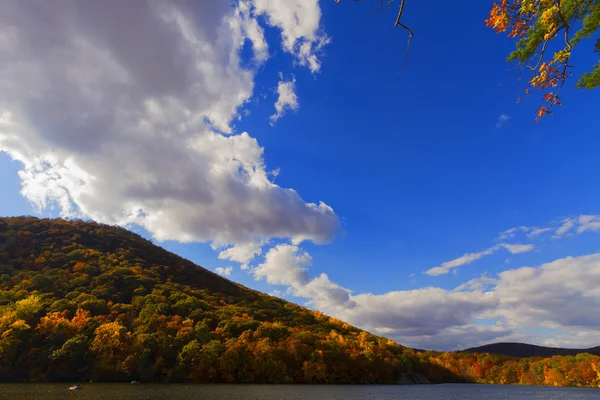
97, 391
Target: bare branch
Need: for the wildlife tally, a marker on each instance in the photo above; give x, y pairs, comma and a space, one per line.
410, 34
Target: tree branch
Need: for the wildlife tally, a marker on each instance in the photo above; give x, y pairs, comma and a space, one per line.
410, 33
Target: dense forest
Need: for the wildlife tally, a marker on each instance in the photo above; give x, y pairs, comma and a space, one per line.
85, 301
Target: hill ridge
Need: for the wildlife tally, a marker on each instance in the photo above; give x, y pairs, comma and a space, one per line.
82, 299
517, 349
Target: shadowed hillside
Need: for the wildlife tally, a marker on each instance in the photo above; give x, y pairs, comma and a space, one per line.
81, 300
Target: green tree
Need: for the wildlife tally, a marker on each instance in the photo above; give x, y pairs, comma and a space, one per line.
540, 25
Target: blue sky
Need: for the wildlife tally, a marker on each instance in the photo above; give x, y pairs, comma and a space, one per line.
414, 169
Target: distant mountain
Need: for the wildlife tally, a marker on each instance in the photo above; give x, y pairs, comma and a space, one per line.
529, 350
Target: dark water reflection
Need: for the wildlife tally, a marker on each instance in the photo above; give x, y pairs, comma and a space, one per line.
292, 392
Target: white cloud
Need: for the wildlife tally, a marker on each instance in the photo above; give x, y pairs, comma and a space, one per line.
299, 22
224, 271
468, 258
241, 253
517, 248
324, 294
284, 264
418, 312
501, 120
531, 232
253, 31
535, 232
509, 233
574, 338
582, 223
122, 112
562, 296
567, 225
286, 99
559, 229
588, 223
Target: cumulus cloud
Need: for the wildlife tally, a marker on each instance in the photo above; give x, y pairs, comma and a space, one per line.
412, 317
284, 264
562, 296
122, 111
325, 294
224, 271
287, 264
241, 253
406, 315
562, 293
253, 31
419, 312
468, 258
299, 22
286, 99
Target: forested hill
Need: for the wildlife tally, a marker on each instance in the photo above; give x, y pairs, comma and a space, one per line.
529, 350
81, 300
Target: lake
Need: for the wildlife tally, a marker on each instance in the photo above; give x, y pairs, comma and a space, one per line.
98, 391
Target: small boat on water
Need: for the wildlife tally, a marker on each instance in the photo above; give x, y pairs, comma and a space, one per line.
75, 387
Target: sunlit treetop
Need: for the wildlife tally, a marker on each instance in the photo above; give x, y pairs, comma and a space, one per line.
539, 24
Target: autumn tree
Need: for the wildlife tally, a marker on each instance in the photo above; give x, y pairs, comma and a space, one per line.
547, 33
110, 343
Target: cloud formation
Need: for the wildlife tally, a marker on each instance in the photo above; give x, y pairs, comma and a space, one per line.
562, 296
468, 258
574, 225
242, 253
299, 23
286, 99
224, 271
122, 112
558, 229
287, 264
284, 264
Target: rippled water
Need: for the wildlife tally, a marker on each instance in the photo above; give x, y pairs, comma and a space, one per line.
293, 392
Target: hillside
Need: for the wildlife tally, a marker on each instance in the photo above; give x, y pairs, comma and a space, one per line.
529, 350
81, 300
